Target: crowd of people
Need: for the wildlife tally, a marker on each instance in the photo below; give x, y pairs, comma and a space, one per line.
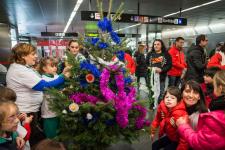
190, 112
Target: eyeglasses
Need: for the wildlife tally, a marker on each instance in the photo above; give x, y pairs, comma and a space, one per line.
11, 119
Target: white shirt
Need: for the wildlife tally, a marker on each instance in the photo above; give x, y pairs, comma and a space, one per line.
3, 68
22, 79
45, 111
21, 131
193, 118
79, 57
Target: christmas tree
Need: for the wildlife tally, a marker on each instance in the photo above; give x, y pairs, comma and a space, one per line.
98, 105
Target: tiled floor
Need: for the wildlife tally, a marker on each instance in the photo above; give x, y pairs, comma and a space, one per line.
143, 144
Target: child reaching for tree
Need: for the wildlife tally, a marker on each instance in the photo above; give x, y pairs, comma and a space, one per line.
48, 69
9, 139
171, 108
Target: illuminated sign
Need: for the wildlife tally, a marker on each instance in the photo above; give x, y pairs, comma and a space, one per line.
133, 18
91, 34
59, 34
119, 34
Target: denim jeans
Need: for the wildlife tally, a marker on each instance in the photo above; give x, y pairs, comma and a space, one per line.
174, 81
162, 91
164, 142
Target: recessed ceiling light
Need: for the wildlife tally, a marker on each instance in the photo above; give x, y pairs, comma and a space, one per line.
72, 15
191, 8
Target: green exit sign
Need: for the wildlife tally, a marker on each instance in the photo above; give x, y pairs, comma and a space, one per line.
91, 26
91, 34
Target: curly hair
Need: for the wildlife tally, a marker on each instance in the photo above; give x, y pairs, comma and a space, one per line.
19, 51
163, 48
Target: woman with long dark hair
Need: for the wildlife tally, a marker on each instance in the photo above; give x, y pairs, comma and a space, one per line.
194, 100
211, 126
159, 59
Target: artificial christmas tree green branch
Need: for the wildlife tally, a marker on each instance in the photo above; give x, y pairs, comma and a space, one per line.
97, 106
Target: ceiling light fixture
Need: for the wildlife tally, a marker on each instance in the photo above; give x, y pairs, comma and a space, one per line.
191, 8
72, 15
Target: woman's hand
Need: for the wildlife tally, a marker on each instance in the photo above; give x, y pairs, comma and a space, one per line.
158, 70
20, 143
182, 120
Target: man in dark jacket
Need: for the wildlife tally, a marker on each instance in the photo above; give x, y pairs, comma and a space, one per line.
196, 60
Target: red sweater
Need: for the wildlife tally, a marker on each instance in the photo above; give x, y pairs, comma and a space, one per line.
215, 61
130, 63
27, 127
165, 125
178, 62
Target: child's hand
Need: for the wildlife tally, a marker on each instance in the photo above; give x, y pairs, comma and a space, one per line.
182, 120
152, 136
28, 119
66, 71
162, 115
20, 143
68, 74
22, 116
152, 132
172, 122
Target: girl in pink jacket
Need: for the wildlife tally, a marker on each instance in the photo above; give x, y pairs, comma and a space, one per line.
210, 133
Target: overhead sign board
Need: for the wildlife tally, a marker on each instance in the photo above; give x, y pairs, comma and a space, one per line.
133, 18
59, 34
119, 34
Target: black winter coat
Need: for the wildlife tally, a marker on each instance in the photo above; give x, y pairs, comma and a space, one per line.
162, 61
196, 64
217, 104
141, 67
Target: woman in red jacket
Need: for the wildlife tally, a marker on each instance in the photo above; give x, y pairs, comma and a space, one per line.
172, 107
218, 59
210, 133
